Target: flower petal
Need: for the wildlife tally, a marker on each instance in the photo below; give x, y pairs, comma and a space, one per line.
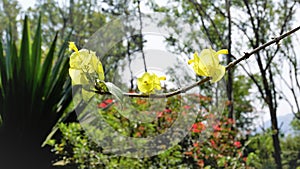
78, 77
207, 57
222, 51
191, 61
156, 81
217, 73
199, 67
97, 66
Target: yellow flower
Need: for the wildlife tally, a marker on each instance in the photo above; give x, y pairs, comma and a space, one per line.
148, 82
208, 64
85, 69
84, 64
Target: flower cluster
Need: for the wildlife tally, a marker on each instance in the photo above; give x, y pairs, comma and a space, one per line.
85, 69
222, 147
198, 127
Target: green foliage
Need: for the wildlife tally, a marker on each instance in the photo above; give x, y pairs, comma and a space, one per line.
9, 11
203, 148
40, 88
74, 15
34, 90
76, 150
296, 124
291, 152
242, 102
261, 150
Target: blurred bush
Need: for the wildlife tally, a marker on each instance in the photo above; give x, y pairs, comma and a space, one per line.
35, 90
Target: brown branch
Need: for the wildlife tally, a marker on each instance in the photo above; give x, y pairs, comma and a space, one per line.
164, 95
200, 82
275, 40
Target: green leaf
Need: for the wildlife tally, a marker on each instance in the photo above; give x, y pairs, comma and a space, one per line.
32, 99
36, 53
2, 70
221, 162
114, 90
25, 52
45, 73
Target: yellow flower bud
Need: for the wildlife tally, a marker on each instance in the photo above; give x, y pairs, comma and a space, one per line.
72, 46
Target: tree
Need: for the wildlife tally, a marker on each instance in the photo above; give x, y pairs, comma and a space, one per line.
71, 16
9, 11
211, 19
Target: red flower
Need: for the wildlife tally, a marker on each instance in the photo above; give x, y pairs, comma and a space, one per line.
217, 127
187, 107
160, 114
109, 101
213, 143
201, 125
198, 127
141, 101
237, 144
194, 126
102, 105
188, 153
138, 134
105, 103
168, 110
230, 121
169, 119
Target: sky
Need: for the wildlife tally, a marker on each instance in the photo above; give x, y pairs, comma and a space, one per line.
26, 3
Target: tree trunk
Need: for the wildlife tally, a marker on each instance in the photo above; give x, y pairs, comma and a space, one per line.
275, 137
229, 85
